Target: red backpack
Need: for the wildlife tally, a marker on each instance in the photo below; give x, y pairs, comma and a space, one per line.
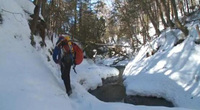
78, 54
77, 51
74, 49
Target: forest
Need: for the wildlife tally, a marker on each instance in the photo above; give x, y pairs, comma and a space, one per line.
95, 24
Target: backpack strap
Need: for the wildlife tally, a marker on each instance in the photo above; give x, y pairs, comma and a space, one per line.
72, 52
74, 68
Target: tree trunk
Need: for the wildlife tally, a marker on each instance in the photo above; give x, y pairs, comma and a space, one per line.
34, 21
35, 17
161, 14
171, 12
75, 21
167, 14
177, 22
43, 8
153, 21
148, 11
192, 2
81, 18
144, 32
187, 6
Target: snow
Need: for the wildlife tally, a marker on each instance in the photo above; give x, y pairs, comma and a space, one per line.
26, 5
171, 73
29, 82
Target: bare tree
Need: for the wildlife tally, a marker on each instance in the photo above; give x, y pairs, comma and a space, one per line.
159, 5
177, 22
150, 10
35, 16
181, 7
167, 13
35, 20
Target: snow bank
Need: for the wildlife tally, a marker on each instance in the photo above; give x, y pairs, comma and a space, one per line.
172, 73
90, 75
22, 71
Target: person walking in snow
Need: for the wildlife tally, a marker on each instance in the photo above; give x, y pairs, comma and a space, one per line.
66, 53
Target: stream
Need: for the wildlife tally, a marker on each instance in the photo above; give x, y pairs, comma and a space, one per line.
113, 90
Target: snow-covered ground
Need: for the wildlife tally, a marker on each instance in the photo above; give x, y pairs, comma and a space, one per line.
29, 82
172, 73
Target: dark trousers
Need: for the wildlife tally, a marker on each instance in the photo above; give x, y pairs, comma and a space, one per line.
65, 70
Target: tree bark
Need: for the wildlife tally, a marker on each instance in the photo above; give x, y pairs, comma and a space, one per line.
161, 14
177, 22
149, 13
167, 14
43, 8
34, 21
187, 6
35, 16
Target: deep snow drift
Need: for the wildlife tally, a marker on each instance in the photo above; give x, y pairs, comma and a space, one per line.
29, 82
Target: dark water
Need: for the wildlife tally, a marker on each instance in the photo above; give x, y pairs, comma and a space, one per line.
110, 93
148, 101
113, 90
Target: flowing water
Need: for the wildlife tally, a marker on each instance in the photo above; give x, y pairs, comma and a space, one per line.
113, 90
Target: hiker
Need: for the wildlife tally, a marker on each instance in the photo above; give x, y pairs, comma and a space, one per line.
66, 53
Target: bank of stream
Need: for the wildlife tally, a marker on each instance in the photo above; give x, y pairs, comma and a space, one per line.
113, 90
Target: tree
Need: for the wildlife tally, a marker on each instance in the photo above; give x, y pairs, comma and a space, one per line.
177, 22
159, 5
35, 16
58, 17
167, 13
35, 20
125, 16
129, 18
150, 10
